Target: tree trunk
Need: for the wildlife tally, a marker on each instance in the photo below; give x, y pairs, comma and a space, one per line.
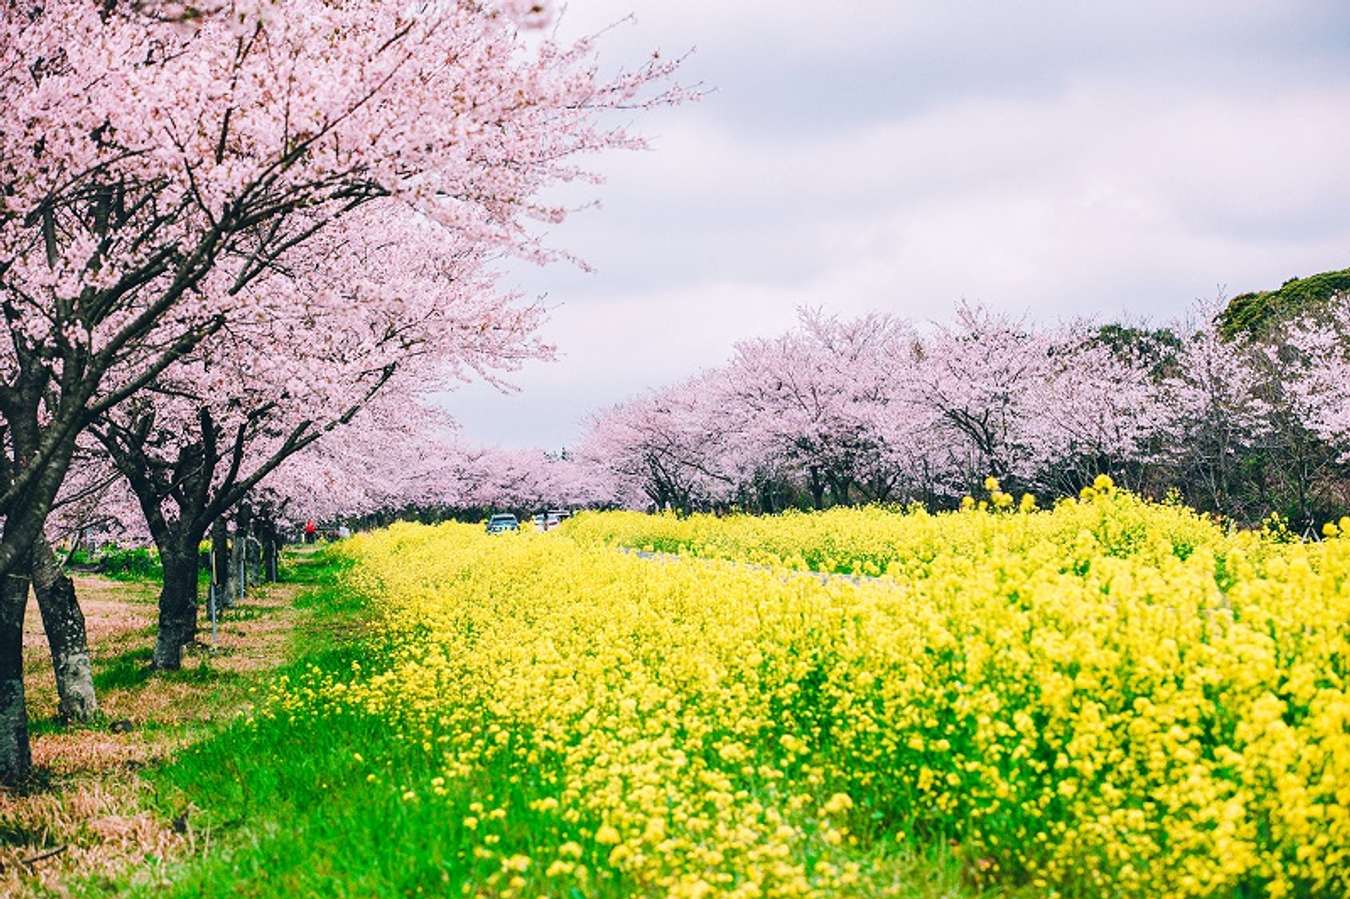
269, 538
243, 519
253, 552
16, 758
64, 623
817, 487
271, 551
220, 561
840, 488
177, 606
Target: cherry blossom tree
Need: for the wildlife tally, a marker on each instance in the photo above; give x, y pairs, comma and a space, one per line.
398, 456
487, 478
1320, 386
158, 169
409, 316
396, 452
813, 397
665, 448
1210, 413
1304, 380
983, 377
1094, 412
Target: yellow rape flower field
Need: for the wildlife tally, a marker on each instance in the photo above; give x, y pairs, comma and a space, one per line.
1112, 697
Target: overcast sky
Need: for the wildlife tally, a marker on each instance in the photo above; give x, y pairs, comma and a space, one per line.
1053, 159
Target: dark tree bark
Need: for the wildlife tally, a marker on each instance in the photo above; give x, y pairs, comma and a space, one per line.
177, 605
841, 486
816, 484
271, 544
64, 624
220, 559
33, 462
16, 758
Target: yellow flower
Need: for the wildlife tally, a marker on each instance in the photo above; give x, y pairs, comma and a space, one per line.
1111, 696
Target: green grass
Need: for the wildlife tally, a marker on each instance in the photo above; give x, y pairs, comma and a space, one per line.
280, 800
295, 812
292, 812
130, 669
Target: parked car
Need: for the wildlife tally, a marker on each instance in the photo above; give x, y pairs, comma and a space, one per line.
555, 517
541, 522
502, 522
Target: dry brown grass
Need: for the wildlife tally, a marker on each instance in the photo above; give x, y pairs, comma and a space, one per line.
84, 815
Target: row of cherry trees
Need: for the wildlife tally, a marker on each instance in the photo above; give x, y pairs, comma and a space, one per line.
873, 410
238, 242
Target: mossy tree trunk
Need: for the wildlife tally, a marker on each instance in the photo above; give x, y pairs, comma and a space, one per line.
64, 624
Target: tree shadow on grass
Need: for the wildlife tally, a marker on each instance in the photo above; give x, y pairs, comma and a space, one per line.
125, 671
131, 670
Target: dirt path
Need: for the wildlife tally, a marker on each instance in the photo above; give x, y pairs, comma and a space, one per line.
87, 820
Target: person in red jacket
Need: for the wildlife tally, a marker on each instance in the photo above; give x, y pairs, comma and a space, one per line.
310, 529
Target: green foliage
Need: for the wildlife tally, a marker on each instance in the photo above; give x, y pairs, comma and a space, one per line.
79, 558
1250, 313
136, 563
1156, 348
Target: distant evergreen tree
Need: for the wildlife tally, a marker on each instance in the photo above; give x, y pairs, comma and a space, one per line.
1252, 313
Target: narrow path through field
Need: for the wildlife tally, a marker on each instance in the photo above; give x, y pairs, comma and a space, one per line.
822, 576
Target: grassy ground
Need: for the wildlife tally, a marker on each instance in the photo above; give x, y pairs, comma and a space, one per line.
91, 814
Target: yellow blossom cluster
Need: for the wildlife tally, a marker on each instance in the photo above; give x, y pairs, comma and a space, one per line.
1111, 697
